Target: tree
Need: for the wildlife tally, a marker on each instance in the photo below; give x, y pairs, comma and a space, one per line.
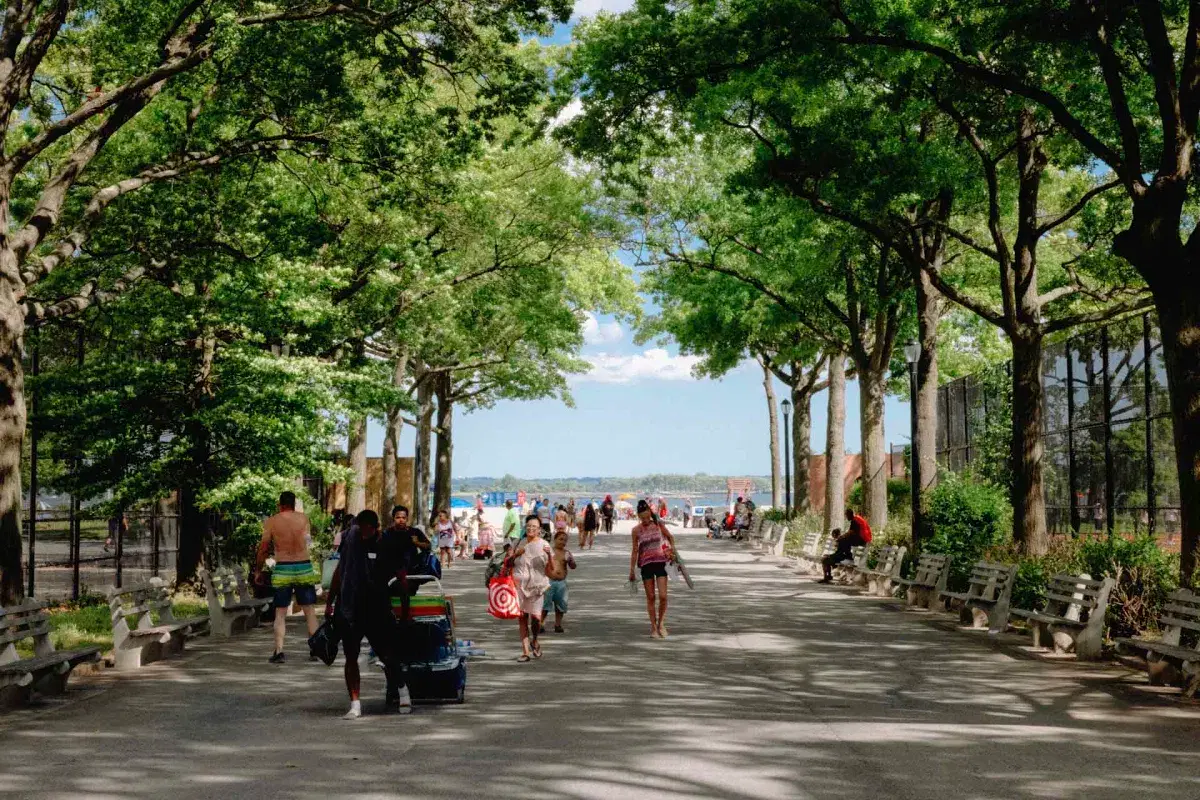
219, 83
815, 124
1119, 80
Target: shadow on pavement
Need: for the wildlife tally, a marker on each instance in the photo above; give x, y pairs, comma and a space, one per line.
769, 687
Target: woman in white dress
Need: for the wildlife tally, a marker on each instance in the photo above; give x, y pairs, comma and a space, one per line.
531, 559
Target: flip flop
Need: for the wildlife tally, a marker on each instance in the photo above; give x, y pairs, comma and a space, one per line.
523, 658
537, 650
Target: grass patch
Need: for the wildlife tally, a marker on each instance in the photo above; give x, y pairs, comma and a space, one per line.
90, 625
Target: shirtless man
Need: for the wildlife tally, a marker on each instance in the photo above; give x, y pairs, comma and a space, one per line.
572, 519
561, 560
287, 534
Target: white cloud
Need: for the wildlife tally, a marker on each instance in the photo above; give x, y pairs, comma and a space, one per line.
597, 332
590, 8
653, 364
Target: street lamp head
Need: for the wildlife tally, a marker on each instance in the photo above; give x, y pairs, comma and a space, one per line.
787, 406
912, 351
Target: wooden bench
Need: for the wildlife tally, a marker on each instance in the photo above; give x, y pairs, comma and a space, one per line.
752, 534
1169, 660
47, 670
1074, 615
986, 601
928, 582
811, 550
773, 536
230, 606
137, 639
887, 569
847, 571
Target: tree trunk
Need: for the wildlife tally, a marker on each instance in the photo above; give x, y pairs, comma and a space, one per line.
773, 426
194, 532
871, 389
421, 452
195, 527
1028, 499
12, 434
1179, 318
801, 449
356, 494
391, 441
929, 314
835, 444
391, 449
445, 442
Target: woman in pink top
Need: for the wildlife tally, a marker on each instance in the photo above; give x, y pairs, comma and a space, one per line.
650, 555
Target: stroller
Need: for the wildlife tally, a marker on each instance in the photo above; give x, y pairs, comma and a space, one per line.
434, 669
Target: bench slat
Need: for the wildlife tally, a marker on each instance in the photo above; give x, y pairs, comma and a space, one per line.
26, 606
1182, 611
1089, 602
1175, 651
1067, 581
25, 633
1047, 618
1175, 622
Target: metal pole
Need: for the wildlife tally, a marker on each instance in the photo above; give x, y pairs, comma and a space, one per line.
120, 545
1147, 387
1071, 465
33, 465
76, 532
154, 543
1110, 482
915, 458
787, 465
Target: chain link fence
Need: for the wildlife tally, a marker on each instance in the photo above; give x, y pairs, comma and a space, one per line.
1109, 463
69, 555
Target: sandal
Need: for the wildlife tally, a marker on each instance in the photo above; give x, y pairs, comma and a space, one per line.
523, 658
537, 650
559, 629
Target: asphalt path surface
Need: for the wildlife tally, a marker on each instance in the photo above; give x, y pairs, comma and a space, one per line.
770, 686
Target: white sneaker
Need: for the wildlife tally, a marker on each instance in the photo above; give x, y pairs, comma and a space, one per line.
355, 710
405, 702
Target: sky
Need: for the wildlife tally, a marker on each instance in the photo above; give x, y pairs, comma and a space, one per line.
638, 410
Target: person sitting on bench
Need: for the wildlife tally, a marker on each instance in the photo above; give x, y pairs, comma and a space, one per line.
859, 535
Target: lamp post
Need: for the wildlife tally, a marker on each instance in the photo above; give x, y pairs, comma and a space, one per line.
912, 352
787, 457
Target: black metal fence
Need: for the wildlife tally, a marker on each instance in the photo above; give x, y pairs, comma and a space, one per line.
68, 555
1109, 454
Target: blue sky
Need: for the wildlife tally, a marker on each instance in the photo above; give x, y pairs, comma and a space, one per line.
638, 410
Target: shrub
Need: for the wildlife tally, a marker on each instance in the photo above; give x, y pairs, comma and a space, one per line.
774, 514
1145, 575
1034, 572
964, 519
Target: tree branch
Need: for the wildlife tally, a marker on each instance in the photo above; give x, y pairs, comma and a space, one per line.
1074, 210
1057, 108
966, 301
1101, 315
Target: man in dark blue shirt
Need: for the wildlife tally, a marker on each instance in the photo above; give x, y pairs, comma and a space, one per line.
371, 568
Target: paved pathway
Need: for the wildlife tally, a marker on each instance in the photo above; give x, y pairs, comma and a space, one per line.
770, 687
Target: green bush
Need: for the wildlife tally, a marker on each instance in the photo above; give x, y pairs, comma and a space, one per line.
774, 514
964, 519
1034, 572
1145, 575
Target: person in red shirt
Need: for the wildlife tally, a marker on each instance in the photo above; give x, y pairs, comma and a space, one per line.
858, 535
